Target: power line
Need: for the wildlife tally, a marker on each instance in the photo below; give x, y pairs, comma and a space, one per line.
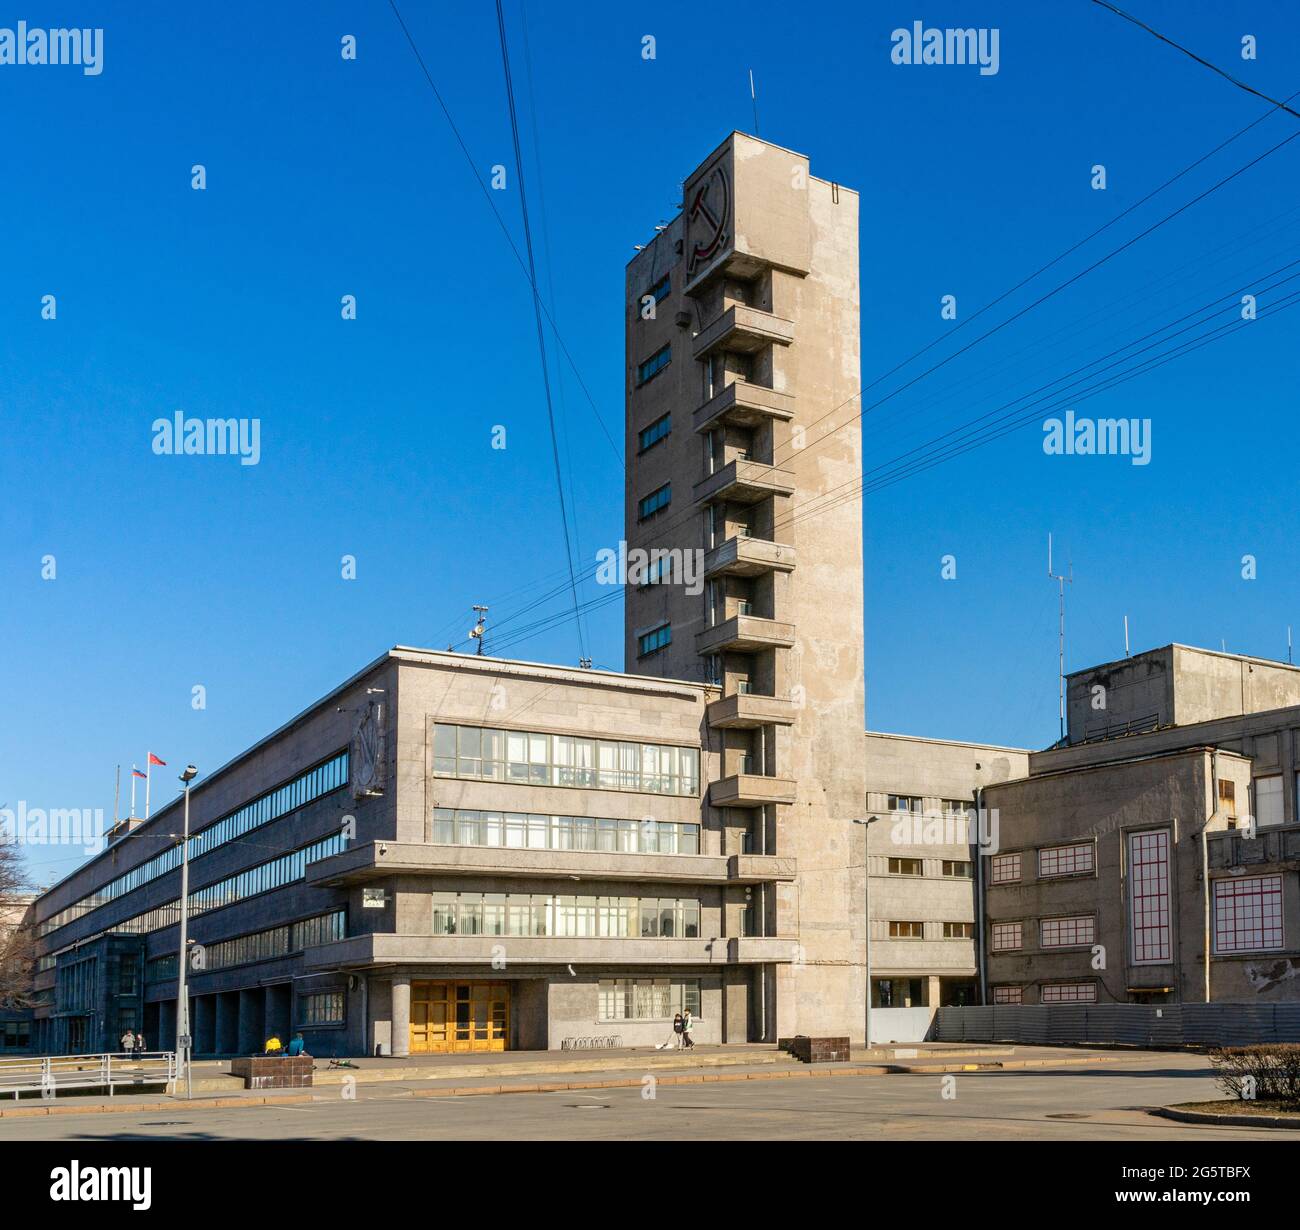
537, 313
1214, 68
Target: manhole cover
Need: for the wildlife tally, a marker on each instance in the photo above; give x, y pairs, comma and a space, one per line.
168, 1123
588, 1105
1067, 1115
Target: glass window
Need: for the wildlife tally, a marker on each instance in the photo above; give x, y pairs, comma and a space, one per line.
1268, 800
1248, 914
652, 366
1065, 860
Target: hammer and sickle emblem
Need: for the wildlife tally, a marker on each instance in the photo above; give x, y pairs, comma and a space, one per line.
711, 214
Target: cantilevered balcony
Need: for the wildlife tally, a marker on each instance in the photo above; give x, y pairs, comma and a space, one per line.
744, 405
745, 634
750, 790
743, 481
746, 710
743, 329
743, 556
761, 868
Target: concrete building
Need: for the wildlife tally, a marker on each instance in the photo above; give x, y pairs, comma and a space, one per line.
455, 853
742, 377
1167, 817
924, 848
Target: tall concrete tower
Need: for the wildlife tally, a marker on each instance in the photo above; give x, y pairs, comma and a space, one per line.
743, 445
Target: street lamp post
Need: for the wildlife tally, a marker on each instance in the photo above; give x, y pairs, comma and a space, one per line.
184, 1040
866, 909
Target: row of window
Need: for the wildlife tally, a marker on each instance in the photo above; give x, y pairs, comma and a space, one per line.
548, 914
322, 1008
1070, 932
564, 760
648, 437
303, 789
259, 945
520, 831
913, 804
915, 930
654, 640
651, 367
1053, 862
656, 501
1049, 993
951, 868
647, 999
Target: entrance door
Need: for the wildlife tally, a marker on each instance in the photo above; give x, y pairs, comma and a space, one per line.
459, 1016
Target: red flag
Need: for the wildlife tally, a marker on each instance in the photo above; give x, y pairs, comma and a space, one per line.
154, 759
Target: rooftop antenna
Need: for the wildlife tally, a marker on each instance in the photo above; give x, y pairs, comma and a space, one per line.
753, 98
476, 632
1061, 580
1288, 645
117, 780
1126, 650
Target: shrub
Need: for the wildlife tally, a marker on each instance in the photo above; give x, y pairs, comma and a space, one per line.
1266, 1073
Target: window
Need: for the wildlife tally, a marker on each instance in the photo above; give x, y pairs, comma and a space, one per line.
904, 802
956, 869
1248, 914
647, 999
532, 758
656, 501
1066, 932
1005, 868
1069, 993
905, 867
452, 827
544, 914
959, 931
326, 1008
906, 931
956, 807
15, 1035
1008, 995
1005, 936
650, 436
658, 290
1268, 800
1228, 799
654, 640
1148, 896
1065, 860
654, 364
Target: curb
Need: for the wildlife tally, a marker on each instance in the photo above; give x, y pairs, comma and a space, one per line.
40, 1112
1209, 1117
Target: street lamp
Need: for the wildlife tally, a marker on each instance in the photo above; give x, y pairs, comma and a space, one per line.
866, 907
184, 1041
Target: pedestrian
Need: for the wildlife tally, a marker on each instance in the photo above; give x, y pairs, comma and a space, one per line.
688, 1023
128, 1042
139, 1043
678, 1027
296, 1046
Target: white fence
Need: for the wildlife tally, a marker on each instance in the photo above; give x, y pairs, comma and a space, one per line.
47, 1074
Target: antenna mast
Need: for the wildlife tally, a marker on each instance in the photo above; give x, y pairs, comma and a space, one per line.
476, 632
1061, 580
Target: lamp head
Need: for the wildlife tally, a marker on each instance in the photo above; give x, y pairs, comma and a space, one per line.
190, 774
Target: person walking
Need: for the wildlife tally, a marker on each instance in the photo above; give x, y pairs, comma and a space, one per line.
678, 1029
128, 1042
688, 1023
139, 1043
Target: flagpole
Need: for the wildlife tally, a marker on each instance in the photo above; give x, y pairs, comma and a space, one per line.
148, 770
133, 773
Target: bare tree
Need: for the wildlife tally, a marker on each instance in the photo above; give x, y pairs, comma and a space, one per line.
17, 942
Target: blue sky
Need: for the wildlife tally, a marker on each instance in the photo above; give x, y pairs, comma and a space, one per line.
328, 178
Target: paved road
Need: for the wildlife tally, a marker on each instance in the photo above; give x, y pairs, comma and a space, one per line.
1009, 1105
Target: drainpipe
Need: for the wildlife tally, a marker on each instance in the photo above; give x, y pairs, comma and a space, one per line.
1205, 861
977, 866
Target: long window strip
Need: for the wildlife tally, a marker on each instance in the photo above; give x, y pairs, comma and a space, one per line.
565, 917
306, 788
528, 830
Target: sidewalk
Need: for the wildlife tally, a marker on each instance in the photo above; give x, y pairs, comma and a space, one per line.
519, 1072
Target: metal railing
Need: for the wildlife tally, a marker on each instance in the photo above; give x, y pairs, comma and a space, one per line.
47, 1074
601, 1043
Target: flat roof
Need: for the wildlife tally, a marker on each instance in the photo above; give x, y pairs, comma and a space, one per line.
987, 747
1209, 653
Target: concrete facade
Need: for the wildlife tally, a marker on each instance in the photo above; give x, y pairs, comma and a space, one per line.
742, 373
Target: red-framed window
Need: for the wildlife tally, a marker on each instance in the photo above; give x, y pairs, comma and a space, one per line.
1005, 935
1008, 995
1248, 914
1148, 896
1066, 860
1069, 993
1066, 932
1005, 869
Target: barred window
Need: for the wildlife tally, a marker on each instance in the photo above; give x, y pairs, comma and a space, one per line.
1005, 868
1065, 860
1066, 932
1248, 914
1005, 936
323, 1008
647, 999
1069, 993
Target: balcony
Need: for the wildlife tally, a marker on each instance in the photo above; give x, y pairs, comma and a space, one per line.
743, 329
743, 481
760, 868
744, 405
745, 710
478, 951
745, 634
761, 950
750, 790
743, 556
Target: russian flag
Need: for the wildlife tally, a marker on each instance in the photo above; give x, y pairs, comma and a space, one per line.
136, 772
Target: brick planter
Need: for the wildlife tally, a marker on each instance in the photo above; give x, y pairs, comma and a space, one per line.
274, 1071
817, 1050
